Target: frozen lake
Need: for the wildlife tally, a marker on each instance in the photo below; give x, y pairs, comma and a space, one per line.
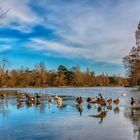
70, 122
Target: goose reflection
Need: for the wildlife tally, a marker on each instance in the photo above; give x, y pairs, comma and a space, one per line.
109, 107
79, 108
99, 109
101, 116
19, 105
29, 104
116, 110
89, 106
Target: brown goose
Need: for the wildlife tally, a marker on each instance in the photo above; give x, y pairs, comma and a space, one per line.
89, 99
79, 100
20, 99
109, 101
117, 101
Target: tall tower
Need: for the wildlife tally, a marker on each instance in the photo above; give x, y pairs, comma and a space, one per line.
137, 35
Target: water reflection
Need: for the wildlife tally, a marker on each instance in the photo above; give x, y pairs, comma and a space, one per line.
44, 118
89, 106
101, 116
79, 108
116, 110
4, 107
109, 107
133, 114
20, 105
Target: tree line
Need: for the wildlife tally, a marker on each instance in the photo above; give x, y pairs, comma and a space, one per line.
132, 61
41, 77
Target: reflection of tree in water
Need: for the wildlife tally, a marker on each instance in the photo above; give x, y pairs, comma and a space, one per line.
4, 107
133, 113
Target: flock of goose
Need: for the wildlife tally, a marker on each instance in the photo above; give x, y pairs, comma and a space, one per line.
34, 99
38, 98
101, 101
102, 105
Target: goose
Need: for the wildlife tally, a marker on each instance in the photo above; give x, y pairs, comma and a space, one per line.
79, 100
101, 97
132, 101
109, 101
20, 99
100, 101
38, 96
89, 99
32, 99
117, 101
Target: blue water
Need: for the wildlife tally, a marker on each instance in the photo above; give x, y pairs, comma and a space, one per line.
48, 122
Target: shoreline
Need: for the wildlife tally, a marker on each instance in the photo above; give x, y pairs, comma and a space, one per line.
70, 87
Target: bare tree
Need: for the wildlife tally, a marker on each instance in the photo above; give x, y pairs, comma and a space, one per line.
3, 13
132, 61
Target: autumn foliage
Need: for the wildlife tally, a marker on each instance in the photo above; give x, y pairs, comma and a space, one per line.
40, 77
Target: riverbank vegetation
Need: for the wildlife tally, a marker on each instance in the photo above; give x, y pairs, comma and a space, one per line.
40, 77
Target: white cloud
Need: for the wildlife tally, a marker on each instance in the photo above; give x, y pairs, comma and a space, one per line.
100, 33
4, 48
69, 51
96, 32
19, 13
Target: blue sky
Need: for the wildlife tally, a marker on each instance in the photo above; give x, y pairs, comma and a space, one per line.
89, 33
